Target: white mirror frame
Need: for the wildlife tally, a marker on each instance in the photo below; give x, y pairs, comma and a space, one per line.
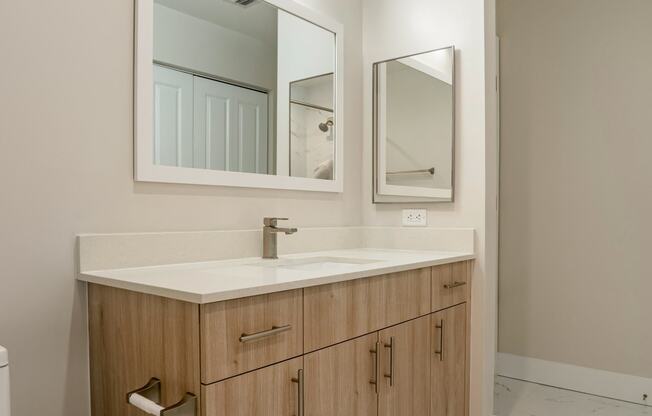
384, 193
144, 168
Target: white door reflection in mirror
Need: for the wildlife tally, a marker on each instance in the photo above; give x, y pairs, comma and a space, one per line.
230, 127
173, 108
414, 127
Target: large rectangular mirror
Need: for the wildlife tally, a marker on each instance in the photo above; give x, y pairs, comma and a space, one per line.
238, 93
414, 128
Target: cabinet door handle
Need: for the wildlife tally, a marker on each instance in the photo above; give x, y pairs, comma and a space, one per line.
454, 285
440, 352
300, 389
374, 352
390, 376
264, 334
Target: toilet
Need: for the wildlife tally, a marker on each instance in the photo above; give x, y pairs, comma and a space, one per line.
4, 382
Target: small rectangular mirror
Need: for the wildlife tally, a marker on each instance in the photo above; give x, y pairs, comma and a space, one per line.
241, 93
414, 128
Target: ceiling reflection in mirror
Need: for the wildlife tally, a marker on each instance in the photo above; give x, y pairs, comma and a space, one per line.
242, 88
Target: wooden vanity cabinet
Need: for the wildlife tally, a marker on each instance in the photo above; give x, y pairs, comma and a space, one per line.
389, 345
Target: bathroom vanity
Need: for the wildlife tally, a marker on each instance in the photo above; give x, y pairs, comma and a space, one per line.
349, 332
257, 102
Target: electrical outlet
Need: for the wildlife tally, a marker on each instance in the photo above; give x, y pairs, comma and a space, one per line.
415, 217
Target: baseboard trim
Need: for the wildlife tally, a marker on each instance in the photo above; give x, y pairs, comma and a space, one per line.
586, 380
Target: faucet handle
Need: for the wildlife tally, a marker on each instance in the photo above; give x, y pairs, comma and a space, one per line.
273, 221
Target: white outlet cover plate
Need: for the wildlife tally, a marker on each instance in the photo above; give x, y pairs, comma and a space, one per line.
415, 217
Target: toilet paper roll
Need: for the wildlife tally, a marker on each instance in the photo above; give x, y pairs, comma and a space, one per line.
145, 405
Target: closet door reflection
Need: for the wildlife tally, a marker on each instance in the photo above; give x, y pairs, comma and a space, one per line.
207, 124
173, 101
230, 127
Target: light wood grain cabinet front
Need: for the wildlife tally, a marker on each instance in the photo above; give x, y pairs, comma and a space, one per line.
271, 391
405, 369
244, 334
340, 311
134, 337
342, 379
365, 347
450, 284
449, 368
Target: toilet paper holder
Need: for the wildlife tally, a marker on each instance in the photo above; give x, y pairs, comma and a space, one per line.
148, 397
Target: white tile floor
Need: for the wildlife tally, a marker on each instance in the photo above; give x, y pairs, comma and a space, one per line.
520, 398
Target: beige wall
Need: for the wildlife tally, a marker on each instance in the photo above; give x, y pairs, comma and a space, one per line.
576, 115
397, 28
66, 158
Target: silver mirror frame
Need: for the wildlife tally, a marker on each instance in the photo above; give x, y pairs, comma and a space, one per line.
378, 198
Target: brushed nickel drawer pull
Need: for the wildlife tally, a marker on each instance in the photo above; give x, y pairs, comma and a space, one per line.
454, 285
300, 402
440, 352
264, 334
374, 352
390, 376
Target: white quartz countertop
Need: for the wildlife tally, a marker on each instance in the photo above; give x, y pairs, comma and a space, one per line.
214, 281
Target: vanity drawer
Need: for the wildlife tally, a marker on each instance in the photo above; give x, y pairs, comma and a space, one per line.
244, 334
341, 311
450, 284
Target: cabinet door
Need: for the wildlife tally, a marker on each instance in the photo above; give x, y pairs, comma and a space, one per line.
271, 391
448, 329
405, 357
230, 127
341, 380
173, 119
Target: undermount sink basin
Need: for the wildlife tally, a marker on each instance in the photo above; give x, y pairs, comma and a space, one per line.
315, 263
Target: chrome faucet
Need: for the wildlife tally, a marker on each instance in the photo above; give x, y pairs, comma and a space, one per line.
270, 242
